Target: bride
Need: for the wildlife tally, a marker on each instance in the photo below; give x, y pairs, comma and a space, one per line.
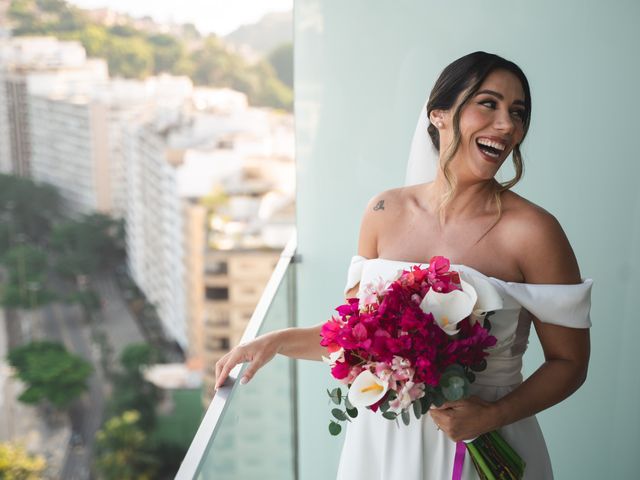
477, 115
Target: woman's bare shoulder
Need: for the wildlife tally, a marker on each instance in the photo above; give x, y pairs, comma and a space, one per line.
382, 209
538, 242
388, 201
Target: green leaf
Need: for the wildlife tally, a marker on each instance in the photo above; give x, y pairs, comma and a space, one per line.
347, 403
392, 395
487, 324
384, 407
334, 428
336, 395
339, 414
352, 412
390, 415
480, 366
417, 409
406, 418
471, 377
425, 403
437, 398
455, 387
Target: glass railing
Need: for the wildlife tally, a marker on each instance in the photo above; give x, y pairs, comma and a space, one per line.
248, 431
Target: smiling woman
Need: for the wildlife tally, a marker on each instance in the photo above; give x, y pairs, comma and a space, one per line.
479, 112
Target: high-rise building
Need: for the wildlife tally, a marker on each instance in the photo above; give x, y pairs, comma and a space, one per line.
22, 60
197, 204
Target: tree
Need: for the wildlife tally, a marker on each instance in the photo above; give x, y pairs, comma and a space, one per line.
87, 245
281, 59
131, 390
27, 266
28, 208
122, 449
130, 57
50, 373
17, 464
168, 53
216, 66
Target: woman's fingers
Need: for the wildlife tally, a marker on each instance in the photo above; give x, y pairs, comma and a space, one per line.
226, 364
257, 352
252, 369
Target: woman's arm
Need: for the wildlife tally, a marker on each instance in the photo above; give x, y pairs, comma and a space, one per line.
303, 343
298, 343
547, 258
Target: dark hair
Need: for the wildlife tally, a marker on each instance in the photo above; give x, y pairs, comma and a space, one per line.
465, 76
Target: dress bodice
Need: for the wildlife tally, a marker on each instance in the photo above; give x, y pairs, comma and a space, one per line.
564, 305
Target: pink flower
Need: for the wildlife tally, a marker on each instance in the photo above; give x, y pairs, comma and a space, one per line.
340, 370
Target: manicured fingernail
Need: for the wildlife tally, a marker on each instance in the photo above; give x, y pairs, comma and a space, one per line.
243, 380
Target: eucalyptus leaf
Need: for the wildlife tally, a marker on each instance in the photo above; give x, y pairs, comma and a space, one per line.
347, 403
480, 366
352, 412
334, 428
437, 398
455, 387
425, 403
384, 407
390, 415
339, 414
471, 377
406, 418
417, 409
336, 395
487, 324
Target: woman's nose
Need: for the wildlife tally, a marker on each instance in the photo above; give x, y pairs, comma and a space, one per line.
504, 121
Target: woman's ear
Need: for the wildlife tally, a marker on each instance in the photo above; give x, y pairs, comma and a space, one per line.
437, 118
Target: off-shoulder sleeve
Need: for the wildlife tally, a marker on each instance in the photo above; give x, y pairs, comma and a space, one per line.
564, 305
355, 272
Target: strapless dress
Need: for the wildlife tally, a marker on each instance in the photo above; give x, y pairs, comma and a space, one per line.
379, 449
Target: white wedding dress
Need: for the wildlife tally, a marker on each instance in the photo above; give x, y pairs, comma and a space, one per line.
379, 449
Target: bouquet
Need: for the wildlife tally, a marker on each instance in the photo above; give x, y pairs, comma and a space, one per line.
415, 342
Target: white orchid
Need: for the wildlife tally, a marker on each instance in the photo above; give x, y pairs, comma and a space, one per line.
337, 356
367, 389
489, 300
477, 297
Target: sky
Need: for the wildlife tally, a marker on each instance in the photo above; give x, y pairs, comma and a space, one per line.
218, 16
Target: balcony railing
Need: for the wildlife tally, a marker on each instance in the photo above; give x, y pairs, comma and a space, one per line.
249, 431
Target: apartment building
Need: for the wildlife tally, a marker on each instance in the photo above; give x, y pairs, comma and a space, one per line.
22, 60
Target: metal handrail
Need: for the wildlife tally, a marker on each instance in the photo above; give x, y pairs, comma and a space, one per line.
198, 448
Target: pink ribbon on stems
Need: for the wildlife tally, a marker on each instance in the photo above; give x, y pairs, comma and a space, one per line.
458, 460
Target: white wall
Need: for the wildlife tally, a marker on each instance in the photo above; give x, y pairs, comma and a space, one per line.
363, 70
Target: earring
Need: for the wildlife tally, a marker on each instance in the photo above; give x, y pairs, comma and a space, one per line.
439, 124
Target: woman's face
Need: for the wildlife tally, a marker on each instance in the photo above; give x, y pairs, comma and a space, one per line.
491, 124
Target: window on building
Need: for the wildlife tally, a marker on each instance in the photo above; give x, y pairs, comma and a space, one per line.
216, 268
217, 293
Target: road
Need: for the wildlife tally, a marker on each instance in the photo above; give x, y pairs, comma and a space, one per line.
66, 324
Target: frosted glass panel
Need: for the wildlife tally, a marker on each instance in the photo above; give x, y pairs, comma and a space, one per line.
254, 438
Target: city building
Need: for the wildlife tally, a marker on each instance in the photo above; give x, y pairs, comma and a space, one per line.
209, 193
77, 136
22, 60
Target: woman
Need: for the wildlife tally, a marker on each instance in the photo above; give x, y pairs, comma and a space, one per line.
478, 112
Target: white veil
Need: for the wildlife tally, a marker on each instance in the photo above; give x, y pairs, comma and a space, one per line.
423, 157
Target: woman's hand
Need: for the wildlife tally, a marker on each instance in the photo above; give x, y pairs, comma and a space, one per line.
258, 351
465, 419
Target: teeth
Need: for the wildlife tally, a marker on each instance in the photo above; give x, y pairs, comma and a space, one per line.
490, 143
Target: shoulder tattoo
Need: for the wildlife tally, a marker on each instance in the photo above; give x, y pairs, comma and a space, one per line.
379, 205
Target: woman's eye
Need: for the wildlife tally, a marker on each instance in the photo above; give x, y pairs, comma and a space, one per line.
488, 103
518, 114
